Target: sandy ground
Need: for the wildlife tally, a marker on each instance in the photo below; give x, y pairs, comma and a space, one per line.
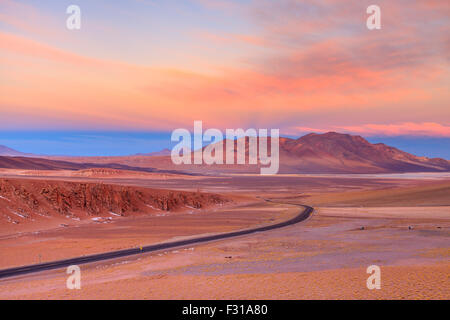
406, 213
406, 234
324, 258
398, 282
102, 173
421, 194
131, 232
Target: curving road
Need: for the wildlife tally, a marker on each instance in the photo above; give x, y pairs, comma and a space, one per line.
305, 214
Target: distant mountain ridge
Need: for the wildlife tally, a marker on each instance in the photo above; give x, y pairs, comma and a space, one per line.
163, 152
32, 163
313, 153
335, 152
6, 151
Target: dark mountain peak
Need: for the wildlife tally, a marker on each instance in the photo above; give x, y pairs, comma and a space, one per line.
163, 152
333, 142
331, 135
340, 152
6, 151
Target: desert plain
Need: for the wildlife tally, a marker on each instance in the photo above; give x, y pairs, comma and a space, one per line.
400, 223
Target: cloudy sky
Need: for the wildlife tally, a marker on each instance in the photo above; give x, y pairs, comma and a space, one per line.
154, 66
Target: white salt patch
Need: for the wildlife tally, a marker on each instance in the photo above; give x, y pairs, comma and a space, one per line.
18, 214
114, 214
42, 215
5, 198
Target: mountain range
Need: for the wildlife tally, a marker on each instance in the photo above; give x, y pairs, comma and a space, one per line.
5, 151
313, 153
343, 153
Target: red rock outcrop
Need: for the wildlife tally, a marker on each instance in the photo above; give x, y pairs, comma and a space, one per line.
27, 198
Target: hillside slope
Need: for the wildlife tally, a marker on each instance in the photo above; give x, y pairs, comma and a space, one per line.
313, 153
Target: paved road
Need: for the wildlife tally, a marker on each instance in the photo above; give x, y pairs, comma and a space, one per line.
305, 214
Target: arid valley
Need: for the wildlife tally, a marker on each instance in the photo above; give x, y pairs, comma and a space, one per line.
224, 159
398, 221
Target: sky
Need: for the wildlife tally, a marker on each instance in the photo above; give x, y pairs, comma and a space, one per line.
138, 69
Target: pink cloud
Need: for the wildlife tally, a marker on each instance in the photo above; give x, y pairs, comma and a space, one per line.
312, 61
29, 20
400, 129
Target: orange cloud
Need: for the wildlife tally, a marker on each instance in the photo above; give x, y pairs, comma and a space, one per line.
319, 67
400, 129
75, 88
24, 46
